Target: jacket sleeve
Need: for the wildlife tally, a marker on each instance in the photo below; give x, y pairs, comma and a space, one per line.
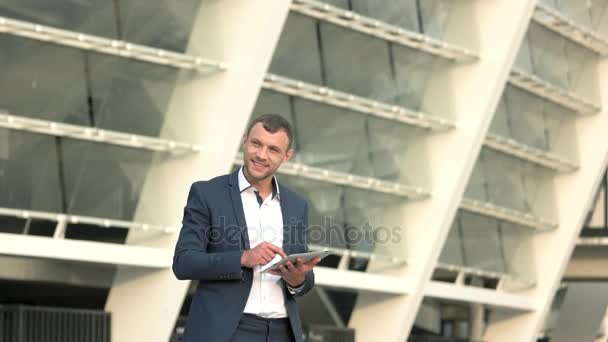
309, 283
191, 259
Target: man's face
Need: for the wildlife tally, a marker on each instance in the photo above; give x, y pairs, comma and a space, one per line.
264, 152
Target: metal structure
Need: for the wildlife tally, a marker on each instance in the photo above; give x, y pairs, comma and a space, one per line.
476, 150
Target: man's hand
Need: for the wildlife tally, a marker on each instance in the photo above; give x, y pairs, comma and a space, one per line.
295, 274
260, 255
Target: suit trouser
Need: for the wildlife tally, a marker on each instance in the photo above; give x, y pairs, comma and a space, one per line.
252, 328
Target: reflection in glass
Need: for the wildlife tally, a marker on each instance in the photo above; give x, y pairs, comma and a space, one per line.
103, 180
342, 217
29, 172
344, 71
507, 181
160, 24
130, 96
43, 81
484, 243
97, 17
557, 60
533, 121
297, 53
428, 17
402, 13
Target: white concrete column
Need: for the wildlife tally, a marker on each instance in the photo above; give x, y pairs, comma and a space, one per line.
211, 111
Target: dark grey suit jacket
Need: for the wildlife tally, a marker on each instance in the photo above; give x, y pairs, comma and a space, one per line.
209, 248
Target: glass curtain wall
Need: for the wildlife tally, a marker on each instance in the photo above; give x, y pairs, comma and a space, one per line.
62, 84
513, 183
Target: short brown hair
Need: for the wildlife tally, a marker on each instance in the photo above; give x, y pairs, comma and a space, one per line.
273, 123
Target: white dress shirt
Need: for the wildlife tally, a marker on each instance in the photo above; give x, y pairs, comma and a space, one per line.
264, 223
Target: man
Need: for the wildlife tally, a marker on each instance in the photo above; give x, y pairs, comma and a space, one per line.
233, 225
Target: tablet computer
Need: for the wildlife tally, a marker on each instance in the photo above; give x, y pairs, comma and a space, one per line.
306, 257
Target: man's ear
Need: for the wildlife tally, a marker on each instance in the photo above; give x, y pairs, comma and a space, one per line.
244, 139
288, 155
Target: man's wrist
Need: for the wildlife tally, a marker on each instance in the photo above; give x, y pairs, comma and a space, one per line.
295, 289
298, 285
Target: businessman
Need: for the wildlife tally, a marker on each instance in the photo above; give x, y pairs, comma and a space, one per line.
233, 225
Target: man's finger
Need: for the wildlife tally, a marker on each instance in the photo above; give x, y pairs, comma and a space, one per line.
268, 254
300, 266
276, 249
266, 258
291, 267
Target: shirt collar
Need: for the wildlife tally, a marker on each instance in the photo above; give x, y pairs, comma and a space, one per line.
244, 184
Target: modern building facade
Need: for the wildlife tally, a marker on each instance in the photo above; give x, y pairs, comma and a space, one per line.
450, 151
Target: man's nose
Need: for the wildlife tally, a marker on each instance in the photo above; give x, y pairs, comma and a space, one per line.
262, 153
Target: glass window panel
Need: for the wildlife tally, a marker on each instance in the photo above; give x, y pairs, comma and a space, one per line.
103, 180
526, 118
547, 51
130, 96
452, 249
343, 217
550, 3
29, 172
364, 70
517, 184
577, 10
481, 242
328, 136
413, 70
518, 254
581, 69
161, 24
389, 146
477, 186
504, 178
326, 216
403, 13
297, 53
559, 123
523, 60
346, 141
43, 81
538, 186
500, 121
534, 121
97, 17
434, 16
599, 16
365, 211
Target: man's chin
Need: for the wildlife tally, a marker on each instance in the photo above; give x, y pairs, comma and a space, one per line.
258, 175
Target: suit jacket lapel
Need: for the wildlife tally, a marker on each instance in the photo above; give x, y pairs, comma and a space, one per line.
237, 205
289, 228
